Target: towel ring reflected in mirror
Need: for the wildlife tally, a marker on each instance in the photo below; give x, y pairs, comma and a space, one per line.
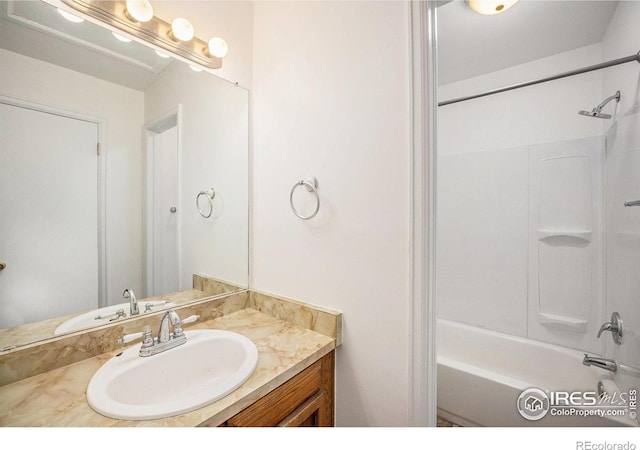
312, 186
210, 195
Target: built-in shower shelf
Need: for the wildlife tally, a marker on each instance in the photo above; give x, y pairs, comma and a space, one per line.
571, 322
585, 235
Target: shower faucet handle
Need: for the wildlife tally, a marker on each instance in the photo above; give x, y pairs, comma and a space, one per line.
615, 326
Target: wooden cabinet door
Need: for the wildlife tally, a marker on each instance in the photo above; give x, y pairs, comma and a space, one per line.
304, 400
312, 413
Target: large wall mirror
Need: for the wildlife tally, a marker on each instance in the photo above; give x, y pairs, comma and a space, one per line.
123, 171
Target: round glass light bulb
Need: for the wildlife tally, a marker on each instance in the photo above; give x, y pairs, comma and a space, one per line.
218, 47
140, 10
120, 37
70, 17
182, 29
490, 7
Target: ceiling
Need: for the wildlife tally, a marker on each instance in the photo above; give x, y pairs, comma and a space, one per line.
470, 44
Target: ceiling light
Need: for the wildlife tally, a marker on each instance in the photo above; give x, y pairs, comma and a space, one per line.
181, 29
70, 17
177, 38
120, 37
490, 7
217, 47
162, 54
138, 10
195, 68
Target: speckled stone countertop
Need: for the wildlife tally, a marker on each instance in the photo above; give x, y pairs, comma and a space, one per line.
57, 398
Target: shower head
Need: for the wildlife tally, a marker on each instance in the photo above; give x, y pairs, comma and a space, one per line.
596, 112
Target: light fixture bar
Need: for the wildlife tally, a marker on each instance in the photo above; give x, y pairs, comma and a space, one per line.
155, 31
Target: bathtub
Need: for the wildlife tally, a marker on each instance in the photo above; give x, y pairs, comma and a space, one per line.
481, 373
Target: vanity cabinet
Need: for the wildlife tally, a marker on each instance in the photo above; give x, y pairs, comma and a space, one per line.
304, 400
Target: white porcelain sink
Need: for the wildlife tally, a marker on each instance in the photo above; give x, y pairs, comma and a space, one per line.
210, 365
106, 315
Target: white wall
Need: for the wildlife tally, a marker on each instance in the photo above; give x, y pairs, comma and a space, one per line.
214, 153
122, 109
532, 115
331, 99
230, 20
623, 185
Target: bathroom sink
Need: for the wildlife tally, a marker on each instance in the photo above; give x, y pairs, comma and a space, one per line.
209, 366
107, 315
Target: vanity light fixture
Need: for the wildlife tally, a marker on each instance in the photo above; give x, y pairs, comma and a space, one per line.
217, 47
181, 30
138, 10
177, 38
70, 17
490, 7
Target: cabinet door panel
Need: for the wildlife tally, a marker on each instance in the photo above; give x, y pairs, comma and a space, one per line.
304, 400
310, 414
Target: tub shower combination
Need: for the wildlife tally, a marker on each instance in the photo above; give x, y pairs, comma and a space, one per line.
483, 373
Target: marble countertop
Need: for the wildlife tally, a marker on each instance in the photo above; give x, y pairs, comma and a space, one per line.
57, 398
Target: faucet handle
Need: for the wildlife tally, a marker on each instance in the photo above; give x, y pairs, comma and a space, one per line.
615, 326
190, 319
146, 335
607, 326
176, 323
177, 328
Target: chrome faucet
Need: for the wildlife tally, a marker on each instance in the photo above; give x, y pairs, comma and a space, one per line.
133, 303
615, 326
165, 339
602, 363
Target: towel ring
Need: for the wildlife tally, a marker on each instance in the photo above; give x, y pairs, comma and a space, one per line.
312, 186
210, 194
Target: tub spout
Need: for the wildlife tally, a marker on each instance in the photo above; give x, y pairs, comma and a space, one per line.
603, 363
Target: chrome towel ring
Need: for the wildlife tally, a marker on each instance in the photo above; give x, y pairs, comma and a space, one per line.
210, 195
312, 186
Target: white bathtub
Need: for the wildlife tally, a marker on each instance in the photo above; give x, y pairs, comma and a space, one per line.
481, 373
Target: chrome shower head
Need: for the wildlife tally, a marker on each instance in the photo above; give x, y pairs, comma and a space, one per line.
596, 112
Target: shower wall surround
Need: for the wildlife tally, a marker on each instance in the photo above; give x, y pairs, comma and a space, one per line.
533, 236
520, 239
490, 236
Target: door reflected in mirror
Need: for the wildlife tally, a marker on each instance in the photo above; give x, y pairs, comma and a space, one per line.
105, 147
